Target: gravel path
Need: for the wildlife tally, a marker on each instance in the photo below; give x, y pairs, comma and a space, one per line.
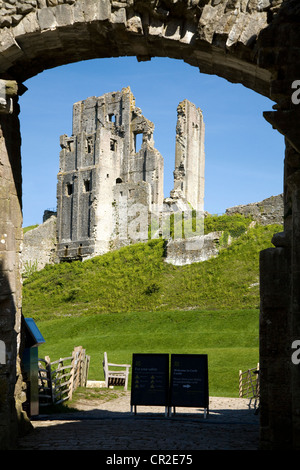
110, 426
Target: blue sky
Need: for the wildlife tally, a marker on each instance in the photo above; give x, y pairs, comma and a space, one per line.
243, 154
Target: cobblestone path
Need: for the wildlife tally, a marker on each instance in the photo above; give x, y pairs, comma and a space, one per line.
230, 425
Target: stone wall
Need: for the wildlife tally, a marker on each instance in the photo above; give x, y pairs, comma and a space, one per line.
39, 246
99, 156
189, 155
13, 12
166, 28
192, 250
102, 170
12, 418
268, 211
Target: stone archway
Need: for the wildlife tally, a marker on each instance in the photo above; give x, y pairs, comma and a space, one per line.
252, 42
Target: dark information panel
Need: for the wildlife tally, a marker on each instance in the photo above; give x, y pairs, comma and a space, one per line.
150, 379
189, 380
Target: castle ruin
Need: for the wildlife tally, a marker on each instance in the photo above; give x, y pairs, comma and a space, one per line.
108, 188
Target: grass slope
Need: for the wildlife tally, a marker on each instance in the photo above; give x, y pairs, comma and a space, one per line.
136, 278
130, 301
229, 338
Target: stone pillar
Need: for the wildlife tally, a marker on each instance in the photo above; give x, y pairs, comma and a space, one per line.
275, 357
11, 415
293, 183
280, 322
189, 155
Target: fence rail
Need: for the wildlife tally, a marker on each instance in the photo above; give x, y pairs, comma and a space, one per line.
249, 385
59, 379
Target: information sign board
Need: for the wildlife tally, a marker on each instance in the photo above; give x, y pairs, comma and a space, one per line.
150, 379
189, 380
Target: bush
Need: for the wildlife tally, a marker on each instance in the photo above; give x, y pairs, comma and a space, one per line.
235, 224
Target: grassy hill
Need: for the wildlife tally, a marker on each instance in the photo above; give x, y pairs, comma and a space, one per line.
136, 278
130, 301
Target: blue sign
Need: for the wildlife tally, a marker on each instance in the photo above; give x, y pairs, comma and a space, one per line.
35, 333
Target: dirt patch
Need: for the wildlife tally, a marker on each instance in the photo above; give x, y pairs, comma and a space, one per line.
91, 398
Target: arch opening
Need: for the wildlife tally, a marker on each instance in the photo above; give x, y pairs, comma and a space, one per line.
219, 134
47, 41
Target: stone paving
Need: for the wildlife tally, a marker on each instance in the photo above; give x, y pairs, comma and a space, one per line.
230, 425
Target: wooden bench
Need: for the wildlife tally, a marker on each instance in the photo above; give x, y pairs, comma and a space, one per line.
115, 377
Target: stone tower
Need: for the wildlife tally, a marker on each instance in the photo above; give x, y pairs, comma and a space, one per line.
108, 184
189, 156
99, 163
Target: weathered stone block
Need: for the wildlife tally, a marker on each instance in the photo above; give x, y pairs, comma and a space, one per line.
119, 16
94, 10
64, 14
156, 28
134, 24
46, 18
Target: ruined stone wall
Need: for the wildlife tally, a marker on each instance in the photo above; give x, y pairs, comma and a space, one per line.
39, 246
268, 211
100, 155
189, 155
131, 209
12, 418
192, 250
102, 173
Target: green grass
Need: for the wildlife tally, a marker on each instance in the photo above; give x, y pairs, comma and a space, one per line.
136, 278
230, 338
131, 301
30, 227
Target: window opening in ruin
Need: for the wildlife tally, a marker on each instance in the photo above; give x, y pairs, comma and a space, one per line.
70, 145
2, 353
113, 145
131, 193
89, 145
138, 140
69, 189
118, 180
144, 166
87, 185
111, 118
66, 250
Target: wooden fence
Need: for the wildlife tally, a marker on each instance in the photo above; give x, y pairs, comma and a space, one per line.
249, 385
58, 379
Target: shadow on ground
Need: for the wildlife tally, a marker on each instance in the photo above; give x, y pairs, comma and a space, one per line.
149, 429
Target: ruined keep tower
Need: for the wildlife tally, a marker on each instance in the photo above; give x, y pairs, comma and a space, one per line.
96, 162
105, 182
189, 155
